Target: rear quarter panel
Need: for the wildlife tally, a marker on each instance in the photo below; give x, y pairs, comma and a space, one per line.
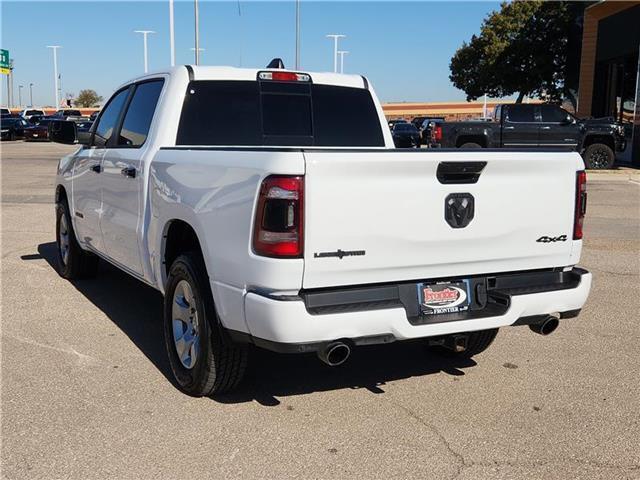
215, 192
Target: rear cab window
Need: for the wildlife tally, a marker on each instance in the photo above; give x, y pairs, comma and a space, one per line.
261, 113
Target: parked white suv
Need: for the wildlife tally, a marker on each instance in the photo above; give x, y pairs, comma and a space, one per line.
270, 208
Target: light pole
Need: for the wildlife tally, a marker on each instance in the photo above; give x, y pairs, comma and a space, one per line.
335, 49
342, 54
31, 94
55, 71
196, 16
484, 107
297, 35
20, 87
171, 35
200, 50
144, 38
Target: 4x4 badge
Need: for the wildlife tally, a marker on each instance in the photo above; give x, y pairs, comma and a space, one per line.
545, 239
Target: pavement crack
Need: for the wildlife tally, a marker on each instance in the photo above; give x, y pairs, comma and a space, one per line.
81, 357
460, 460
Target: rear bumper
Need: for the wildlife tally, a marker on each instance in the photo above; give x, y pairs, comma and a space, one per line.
302, 324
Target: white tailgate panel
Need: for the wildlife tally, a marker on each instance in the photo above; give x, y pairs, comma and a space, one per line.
390, 204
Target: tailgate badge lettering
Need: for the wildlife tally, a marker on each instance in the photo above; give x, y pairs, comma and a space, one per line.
459, 209
340, 254
546, 239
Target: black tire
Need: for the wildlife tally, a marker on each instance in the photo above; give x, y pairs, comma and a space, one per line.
470, 145
599, 156
12, 136
219, 364
477, 342
76, 263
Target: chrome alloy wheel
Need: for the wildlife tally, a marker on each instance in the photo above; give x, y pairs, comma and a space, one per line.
184, 315
63, 239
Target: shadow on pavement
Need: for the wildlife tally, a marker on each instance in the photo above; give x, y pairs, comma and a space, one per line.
136, 309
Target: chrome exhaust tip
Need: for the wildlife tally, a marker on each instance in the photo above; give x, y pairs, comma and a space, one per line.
334, 353
546, 326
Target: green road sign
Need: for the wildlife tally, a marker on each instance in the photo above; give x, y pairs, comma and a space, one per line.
4, 61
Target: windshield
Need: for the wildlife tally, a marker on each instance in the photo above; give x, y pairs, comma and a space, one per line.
251, 113
33, 112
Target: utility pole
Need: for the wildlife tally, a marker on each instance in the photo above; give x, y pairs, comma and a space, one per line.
335, 49
297, 35
342, 54
144, 37
197, 32
20, 87
55, 71
31, 94
171, 35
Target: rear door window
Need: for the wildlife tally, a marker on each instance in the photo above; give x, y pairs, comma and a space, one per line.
520, 113
249, 113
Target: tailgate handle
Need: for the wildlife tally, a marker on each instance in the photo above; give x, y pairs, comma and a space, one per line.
459, 172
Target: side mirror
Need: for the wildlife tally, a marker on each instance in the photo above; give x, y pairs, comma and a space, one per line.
568, 120
62, 131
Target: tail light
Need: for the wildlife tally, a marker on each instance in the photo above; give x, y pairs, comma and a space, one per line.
437, 134
581, 204
278, 227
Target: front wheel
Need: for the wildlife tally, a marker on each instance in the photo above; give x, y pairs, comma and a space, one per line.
202, 359
470, 145
599, 156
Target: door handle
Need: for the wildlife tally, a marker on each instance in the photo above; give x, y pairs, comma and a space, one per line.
96, 168
509, 128
545, 128
128, 172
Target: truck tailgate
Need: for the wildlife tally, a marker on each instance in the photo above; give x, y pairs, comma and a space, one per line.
379, 216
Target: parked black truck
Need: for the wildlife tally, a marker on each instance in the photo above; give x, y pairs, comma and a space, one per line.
537, 126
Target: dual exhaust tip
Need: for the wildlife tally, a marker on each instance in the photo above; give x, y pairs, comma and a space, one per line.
546, 326
334, 353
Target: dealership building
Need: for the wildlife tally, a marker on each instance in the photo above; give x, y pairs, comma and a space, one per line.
609, 84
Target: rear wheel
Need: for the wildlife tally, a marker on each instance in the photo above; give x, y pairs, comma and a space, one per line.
477, 342
470, 145
73, 262
599, 156
203, 360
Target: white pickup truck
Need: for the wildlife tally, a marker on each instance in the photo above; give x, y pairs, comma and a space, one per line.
271, 208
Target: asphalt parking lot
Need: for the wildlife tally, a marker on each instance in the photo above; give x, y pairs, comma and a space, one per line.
86, 391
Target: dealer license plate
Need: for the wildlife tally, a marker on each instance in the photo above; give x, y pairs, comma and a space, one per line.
443, 297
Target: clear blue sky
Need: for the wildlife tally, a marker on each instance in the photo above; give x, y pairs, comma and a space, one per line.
404, 48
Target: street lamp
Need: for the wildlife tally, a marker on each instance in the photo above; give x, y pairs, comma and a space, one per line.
200, 50
342, 54
31, 94
196, 49
297, 35
55, 71
335, 49
172, 44
20, 87
144, 38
